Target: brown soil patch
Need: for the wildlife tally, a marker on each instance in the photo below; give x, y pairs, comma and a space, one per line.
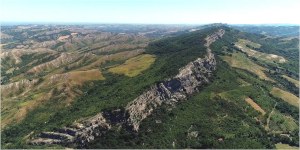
255, 105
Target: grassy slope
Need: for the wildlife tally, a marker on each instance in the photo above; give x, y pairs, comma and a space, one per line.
115, 91
243, 45
241, 61
212, 114
286, 96
296, 82
134, 66
285, 146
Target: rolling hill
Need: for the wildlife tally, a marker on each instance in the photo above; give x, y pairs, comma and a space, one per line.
148, 87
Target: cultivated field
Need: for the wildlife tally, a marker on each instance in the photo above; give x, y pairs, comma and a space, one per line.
255, 106
242, 45
286, 96
134, 66
296, 82
239, 60
281, 146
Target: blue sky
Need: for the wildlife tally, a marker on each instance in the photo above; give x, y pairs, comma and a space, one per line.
152, 11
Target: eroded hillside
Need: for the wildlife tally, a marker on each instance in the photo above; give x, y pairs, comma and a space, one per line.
212, 87
55, 63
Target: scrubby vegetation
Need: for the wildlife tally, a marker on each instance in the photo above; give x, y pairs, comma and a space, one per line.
219, 116
114, 91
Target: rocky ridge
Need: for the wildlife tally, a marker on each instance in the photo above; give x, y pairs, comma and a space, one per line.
188, 81
80, 133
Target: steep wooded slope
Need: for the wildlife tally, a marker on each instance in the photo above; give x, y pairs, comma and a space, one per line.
216, 115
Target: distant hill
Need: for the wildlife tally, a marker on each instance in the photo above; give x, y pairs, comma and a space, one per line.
275, 30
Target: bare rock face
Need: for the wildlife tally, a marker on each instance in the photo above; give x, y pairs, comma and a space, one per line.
190, 78
42, 141
79, 133
188, 81
92, 128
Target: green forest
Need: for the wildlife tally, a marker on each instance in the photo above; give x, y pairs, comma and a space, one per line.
216, 117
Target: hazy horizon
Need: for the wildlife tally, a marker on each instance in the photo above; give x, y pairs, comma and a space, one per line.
150, 11
167, 24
